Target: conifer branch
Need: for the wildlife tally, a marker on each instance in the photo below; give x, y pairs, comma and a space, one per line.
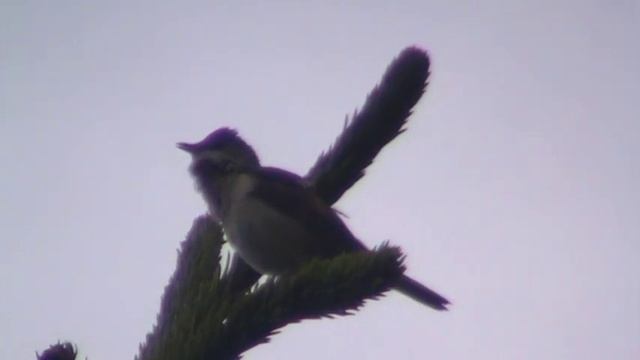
381, 119
202, 317
193, 293
59, 351
321, 288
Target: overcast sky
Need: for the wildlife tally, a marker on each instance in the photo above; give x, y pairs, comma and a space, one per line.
514, 192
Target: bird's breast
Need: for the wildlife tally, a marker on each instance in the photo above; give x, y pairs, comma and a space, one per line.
266, 239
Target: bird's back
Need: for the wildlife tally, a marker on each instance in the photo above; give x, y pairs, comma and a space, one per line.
281, 224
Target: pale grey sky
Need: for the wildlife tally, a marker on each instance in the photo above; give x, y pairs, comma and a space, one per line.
514, 191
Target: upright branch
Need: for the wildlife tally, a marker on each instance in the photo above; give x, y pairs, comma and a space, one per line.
381, 119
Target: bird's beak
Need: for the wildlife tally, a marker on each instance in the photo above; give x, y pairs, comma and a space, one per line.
190, 148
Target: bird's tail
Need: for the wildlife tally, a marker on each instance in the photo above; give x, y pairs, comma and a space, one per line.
421, 293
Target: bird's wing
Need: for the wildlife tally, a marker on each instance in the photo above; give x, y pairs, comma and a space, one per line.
286, 193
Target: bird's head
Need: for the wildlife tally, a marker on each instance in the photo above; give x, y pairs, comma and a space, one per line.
220, 152
215, 162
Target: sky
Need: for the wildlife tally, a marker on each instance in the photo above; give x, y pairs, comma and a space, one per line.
513, 192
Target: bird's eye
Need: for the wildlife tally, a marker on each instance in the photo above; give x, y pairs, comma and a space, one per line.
207, 167
224, 165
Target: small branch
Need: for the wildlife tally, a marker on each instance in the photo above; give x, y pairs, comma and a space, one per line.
59, 351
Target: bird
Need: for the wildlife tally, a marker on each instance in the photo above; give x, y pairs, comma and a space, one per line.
271, 217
